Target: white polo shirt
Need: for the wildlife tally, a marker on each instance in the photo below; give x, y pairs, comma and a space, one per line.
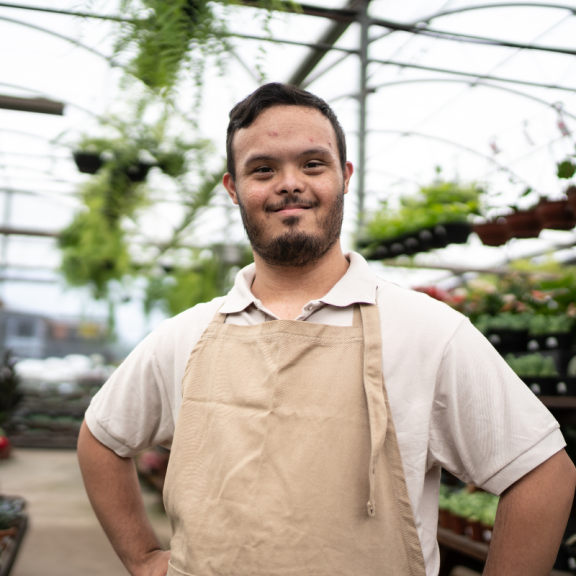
455, 403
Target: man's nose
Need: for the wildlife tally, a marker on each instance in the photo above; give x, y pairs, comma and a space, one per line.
290, 182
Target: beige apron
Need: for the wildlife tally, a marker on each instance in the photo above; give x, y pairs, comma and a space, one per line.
285, 460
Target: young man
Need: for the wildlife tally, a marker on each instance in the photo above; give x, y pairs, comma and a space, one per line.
309, 411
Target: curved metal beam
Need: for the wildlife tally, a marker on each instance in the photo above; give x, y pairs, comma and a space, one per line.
42, 95
474, 75
453, 143
471, 84
60, 36
497, 5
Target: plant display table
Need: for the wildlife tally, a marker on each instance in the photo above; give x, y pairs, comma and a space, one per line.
453, 546
10, 544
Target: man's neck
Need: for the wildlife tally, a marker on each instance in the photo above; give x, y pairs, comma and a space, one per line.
285, 290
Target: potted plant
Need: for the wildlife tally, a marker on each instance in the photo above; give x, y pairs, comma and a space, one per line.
571, 194
434, 218
538, 372
550, 331
555, 214
505, 331
524, 224
88, 162
493, 232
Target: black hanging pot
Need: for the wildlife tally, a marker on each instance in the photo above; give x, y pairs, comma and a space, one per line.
138, 172
88, 162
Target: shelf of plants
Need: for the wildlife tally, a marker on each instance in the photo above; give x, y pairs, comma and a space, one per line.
529, 316
442, 214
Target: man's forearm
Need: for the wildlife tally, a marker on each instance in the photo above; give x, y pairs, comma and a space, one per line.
112, 486
531, 520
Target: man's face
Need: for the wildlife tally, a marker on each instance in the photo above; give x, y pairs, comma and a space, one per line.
289, 185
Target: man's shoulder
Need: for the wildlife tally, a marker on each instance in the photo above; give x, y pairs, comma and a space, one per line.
185, 329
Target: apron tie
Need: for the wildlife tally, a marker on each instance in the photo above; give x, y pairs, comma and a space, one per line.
373, 387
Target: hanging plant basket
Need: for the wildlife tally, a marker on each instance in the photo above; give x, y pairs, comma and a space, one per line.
88, 162
138, 172
556, 215
494, 233
524, 224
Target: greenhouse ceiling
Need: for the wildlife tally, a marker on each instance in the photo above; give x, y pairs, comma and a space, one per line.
485, 91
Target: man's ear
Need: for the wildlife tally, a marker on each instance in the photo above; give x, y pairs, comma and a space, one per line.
230, 186
348, 171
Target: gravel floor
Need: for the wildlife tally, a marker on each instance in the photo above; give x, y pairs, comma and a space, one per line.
64, 537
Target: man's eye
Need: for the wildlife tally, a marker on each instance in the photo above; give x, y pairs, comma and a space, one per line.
263, 169
313, 164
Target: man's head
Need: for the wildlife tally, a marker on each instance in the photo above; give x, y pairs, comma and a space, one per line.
276, 94
287, 171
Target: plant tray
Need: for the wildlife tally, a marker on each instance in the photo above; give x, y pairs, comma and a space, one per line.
12, 546
420, 241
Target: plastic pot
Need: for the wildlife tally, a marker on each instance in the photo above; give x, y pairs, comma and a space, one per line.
138, 172
474, 530
511, 340
456, 232
492, 233
566, 386
556, 215
458, 524
444, 519
553, 341
88, 162
439, 237
571, 193
524, 224
542, 385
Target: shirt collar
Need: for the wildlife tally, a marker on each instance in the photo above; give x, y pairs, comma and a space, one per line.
358, 285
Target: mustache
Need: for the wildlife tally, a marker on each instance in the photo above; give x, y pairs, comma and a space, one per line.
291, 201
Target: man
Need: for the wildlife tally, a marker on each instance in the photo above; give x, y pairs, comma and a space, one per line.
310, 410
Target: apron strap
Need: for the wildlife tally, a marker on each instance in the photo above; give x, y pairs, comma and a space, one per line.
357, 316
375, 394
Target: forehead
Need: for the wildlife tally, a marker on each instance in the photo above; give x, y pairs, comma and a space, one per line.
285, 129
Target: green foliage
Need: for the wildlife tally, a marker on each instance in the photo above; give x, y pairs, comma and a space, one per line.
566, 169
9, 394
176, 36
548, 324
95, 245
440, 203
480, 506
504, 321
532, 365
182, 288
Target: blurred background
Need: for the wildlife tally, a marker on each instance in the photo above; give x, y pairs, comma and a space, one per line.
460, 119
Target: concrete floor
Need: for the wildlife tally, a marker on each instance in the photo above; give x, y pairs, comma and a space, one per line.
64, 537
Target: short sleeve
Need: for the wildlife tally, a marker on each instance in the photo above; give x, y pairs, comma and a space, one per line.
132, 410
486, 427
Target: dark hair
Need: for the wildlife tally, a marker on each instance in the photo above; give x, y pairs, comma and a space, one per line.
277, 94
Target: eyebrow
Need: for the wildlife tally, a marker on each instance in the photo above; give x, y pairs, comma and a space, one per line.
267, 157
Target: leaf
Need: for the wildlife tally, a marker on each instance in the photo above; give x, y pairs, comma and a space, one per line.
566, 169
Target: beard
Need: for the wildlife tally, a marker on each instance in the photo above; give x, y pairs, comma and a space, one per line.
295, 248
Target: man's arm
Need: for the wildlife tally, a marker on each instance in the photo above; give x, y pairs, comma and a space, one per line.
112, 486
531, 520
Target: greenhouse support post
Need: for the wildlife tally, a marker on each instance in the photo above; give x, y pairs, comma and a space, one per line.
362, 95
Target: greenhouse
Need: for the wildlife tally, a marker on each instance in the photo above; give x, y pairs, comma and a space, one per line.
287, 288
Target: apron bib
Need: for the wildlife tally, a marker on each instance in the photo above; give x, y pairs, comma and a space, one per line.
285, 460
